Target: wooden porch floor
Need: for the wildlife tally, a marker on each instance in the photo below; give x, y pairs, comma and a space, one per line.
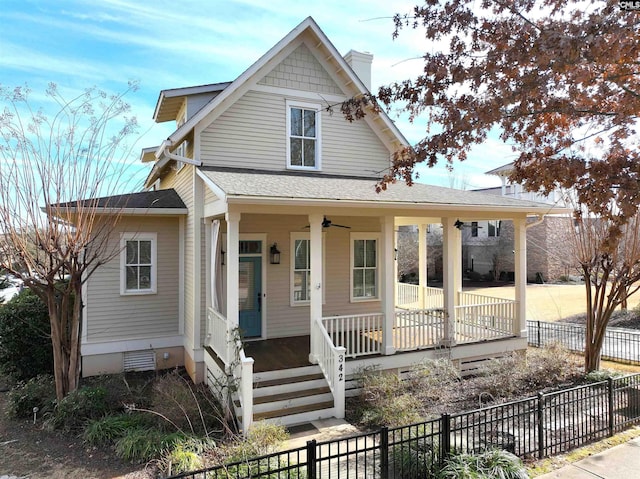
278, 353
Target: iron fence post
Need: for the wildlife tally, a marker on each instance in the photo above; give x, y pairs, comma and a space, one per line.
540, 425
311, 459
610, 391
539, 341
445, 433
384, 452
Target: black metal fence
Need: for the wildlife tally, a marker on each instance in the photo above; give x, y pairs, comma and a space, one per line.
535, 427
619, 344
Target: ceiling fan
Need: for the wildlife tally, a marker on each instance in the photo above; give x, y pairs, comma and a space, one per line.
326, 223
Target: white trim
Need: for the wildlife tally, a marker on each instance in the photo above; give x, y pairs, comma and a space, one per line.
305, 95
364, 236
133, 211
123, 345
219, 192
130, 236
317, 108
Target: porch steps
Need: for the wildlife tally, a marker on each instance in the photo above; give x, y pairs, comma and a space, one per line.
290, 396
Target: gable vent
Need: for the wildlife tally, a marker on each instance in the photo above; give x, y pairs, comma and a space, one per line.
139, 360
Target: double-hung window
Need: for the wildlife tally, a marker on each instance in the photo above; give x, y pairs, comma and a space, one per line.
138, 263
364, 266
303, 136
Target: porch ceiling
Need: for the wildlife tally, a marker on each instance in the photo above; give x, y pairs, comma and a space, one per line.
283, 187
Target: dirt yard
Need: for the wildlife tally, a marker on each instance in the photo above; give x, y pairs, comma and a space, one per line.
28, 451
547, 302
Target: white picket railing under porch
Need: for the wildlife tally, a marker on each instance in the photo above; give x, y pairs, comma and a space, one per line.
227, 345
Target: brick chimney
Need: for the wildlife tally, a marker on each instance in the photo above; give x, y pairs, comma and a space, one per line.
360, 63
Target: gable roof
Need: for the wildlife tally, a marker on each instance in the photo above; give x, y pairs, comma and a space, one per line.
170, 100
225, 98
157, 202
269, 187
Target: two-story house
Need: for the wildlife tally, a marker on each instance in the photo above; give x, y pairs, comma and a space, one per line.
262, 253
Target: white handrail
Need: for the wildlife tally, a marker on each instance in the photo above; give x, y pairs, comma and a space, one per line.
485, 321
416, 329
331, 360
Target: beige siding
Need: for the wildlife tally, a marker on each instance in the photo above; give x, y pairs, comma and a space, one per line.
111, 316
252, 134
284, 319
183, 184
301, 71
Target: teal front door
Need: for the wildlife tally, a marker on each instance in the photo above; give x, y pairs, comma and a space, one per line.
250, 297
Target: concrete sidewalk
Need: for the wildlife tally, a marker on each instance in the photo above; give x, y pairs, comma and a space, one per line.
619, 462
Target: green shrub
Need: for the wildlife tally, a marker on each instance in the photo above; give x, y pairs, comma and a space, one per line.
109, 429
38, 392
601, 375
78, 407
186, 454
25, 337
491, 464
145, 444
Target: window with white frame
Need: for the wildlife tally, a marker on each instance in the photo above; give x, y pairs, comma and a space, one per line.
138, 263
301, 268
493, 227
303, 136
364, 266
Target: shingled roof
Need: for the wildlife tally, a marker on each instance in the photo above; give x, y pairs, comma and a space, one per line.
144, 201
260, 185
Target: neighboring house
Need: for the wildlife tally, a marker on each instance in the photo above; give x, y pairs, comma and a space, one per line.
550, 255
262, 220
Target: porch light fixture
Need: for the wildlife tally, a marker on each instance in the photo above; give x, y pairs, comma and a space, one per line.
274, 254
458, 224
222, 253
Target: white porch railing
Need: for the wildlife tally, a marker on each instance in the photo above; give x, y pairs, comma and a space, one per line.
481, 317
331, 360
416, 329
412, 296
228, 347
408, 296
359, 334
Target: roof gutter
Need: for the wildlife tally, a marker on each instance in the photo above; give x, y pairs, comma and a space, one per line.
536, 222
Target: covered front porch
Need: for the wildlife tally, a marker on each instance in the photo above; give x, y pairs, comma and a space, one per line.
405, 318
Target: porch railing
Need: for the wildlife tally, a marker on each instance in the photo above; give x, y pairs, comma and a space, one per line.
359, 334
483, 317
412, 296
331, 359
228, 347
416, 329
217, 334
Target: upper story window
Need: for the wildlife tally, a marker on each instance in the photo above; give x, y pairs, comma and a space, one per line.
474, 229
138, 263
303, 136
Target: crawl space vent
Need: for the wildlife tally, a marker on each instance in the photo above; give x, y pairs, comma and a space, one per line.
139, 360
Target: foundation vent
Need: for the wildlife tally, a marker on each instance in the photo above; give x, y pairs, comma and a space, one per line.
139, 360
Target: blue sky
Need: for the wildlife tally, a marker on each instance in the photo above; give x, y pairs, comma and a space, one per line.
175, 43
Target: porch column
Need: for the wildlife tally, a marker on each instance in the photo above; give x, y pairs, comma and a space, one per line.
451, 252
422, 263
233, 279
388, 280
520, 247
315, 309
